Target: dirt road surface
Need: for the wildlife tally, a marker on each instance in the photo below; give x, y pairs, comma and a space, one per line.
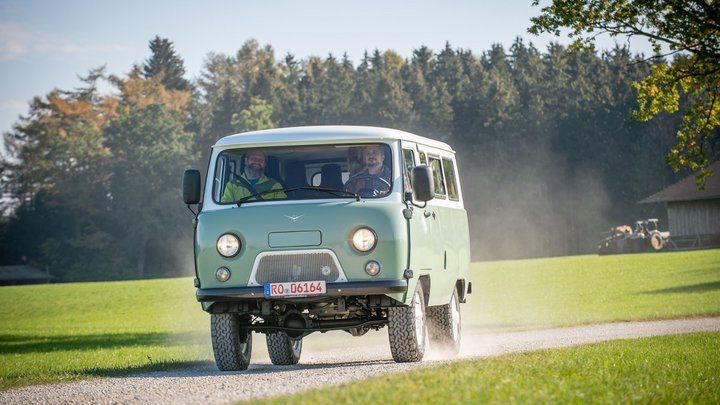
204, 384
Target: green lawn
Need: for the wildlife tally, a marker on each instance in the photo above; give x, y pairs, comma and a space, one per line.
64, 332
574, 290
70, 331
664, 370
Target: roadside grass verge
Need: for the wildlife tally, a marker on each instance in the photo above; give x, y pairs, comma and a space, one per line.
62, 332
666, 369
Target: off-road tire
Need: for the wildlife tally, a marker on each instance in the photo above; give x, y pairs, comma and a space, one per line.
283, 350
407, 330
232, 345
444, 326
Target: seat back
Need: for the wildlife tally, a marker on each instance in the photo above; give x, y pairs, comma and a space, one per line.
331, 176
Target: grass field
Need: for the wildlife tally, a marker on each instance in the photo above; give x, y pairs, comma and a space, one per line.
71, 331
574, 290
664, 370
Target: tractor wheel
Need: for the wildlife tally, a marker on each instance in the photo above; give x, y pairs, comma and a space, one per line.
656, 241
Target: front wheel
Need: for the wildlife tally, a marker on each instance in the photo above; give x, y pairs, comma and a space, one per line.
444, 325
283, 350
232, 345
407, 330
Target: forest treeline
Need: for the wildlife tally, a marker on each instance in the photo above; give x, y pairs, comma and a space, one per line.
549, 156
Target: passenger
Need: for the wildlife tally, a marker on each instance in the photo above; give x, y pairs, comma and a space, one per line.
375, 178
253, 181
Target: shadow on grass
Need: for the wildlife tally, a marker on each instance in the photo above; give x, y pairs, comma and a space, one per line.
13, 380
702, 287
19, 344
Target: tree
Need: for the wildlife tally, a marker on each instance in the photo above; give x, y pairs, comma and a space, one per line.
256, 117
431, 100
59, 181
165, 62
689, 30
149, 147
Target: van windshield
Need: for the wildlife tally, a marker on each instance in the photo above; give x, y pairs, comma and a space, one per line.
302, 172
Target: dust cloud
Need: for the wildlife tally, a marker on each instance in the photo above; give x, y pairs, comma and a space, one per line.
539, 205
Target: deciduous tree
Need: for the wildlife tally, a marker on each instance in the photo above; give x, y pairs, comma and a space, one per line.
690, 30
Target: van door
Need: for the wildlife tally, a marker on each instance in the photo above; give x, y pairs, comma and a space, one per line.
425, 250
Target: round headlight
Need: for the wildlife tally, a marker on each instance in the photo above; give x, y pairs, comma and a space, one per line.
364, 240
222, 274
372, 268
228, 245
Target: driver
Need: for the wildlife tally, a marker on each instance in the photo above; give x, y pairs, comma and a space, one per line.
375, 172
253, 181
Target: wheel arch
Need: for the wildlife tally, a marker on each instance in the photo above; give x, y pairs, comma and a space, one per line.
424, 283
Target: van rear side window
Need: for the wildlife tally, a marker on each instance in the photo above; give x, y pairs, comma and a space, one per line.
450, 179
436, 167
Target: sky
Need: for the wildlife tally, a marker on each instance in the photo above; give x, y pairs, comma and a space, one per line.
46, 44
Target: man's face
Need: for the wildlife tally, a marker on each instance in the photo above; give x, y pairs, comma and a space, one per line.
254, 165
373, 157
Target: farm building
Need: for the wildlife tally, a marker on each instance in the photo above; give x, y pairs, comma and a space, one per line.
693, 214
23, 274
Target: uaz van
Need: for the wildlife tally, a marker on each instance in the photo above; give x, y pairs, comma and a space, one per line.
314, 229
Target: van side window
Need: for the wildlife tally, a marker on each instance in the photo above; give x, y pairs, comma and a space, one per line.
409, 159
438, 177
423, 161
449, 171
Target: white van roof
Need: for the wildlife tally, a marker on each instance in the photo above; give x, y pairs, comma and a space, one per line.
331, 134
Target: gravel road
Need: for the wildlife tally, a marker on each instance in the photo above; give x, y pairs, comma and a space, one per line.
204, 384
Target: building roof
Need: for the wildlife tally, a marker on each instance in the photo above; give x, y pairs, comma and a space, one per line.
687, 190
23, 273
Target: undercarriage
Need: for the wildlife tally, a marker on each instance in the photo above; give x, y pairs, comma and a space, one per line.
301, 316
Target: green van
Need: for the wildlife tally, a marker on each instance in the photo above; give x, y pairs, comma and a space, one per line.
313, 229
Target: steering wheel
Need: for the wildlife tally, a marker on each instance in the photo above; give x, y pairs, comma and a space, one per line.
378, 185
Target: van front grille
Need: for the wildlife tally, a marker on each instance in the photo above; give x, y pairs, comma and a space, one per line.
279, 267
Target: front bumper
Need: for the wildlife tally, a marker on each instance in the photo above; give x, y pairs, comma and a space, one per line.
333, 290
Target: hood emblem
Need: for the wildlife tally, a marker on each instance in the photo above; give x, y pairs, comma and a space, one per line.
294, 218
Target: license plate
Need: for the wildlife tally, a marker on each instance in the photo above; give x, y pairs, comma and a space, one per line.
295, 289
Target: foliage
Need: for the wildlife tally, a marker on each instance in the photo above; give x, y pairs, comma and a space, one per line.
149, 147
96, 173
257, 116
688, 29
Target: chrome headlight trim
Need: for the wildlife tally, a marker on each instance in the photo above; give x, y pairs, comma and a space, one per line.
228, 245
364, 239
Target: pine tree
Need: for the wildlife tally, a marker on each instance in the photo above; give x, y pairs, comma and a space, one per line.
164, 61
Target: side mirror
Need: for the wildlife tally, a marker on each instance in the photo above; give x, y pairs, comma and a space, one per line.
423, 184
191, 186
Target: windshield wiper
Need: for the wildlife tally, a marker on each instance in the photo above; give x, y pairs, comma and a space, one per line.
256, 196
335, 192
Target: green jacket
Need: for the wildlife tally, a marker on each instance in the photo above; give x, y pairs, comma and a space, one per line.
235, 190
